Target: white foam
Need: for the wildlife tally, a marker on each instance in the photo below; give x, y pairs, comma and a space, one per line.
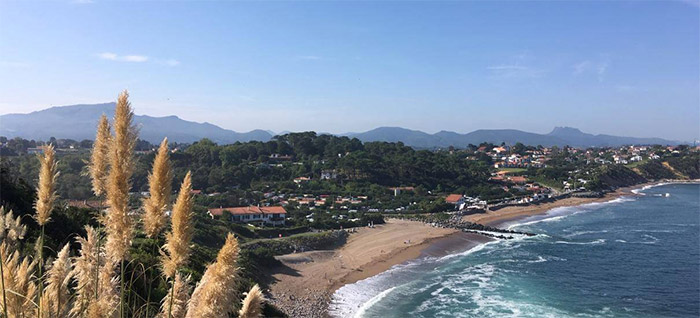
557, 214
596, 242
649, 186
361, 311
353, 300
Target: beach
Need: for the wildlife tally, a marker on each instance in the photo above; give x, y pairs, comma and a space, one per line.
302, 286
647, 241
511, 213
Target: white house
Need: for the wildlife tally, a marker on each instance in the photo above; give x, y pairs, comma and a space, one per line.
273, 215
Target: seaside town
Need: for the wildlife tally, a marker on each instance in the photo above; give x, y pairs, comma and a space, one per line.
517, 175
290, 199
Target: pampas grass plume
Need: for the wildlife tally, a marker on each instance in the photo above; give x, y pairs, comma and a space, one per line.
56, 294
215, 294
46, 190
99, 157
160, 185
252, 304
119, 226
181, 295
178, 240
85, 266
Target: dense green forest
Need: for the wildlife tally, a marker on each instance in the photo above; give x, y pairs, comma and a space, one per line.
266, 166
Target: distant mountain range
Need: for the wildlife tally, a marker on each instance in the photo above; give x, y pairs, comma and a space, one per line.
79, 122
560, 136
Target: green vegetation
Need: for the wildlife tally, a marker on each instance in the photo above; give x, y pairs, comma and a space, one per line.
513, 170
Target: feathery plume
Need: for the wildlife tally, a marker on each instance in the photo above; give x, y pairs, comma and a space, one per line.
18, 272
56, 295
160, 185
252, 304
46, 190
119, 226
11, 229
180, 296
99, 157
3, 226
85, 266
215, 294
107, 305
178, 240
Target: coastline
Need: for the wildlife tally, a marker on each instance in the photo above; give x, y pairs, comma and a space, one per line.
509, 215
314, 276
303, 285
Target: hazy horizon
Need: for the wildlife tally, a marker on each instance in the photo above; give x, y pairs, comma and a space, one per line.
627, 68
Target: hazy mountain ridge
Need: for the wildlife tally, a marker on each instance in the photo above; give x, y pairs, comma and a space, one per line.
560, 136
78, 122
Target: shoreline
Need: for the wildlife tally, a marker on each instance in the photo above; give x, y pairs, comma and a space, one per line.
303, 285
315, 276
513, 214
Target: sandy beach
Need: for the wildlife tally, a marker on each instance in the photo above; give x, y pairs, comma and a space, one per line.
508, 214
303, 285
498, 217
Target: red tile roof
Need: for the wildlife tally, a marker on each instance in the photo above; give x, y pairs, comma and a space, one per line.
518, 179
249, 210
453, 198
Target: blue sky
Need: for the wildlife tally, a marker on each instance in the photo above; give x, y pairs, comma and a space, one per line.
616, 67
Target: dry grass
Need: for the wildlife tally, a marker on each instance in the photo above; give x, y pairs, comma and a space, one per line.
99, 157
181, 294
85, 270
178, 241
160, 186
88, 285
20, 287
215, 294
118, 223
252, 304
46, 191
56, 302
107, 303
11, 229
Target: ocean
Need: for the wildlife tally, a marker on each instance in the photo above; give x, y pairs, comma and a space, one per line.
635, 256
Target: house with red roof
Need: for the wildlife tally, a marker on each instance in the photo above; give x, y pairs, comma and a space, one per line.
456, 199
272, 215
518, 179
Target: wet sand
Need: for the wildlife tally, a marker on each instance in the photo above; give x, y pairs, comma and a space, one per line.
303, 286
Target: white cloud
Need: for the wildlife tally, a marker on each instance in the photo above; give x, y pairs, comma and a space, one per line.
107, 56
171, 62
581, 67
134, 58
590, 67
310, 57
515, 71
518, 66
122, 58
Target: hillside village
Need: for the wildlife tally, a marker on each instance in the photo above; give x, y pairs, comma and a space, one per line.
513, 174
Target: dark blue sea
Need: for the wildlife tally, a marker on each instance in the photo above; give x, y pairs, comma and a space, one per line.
635, 256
